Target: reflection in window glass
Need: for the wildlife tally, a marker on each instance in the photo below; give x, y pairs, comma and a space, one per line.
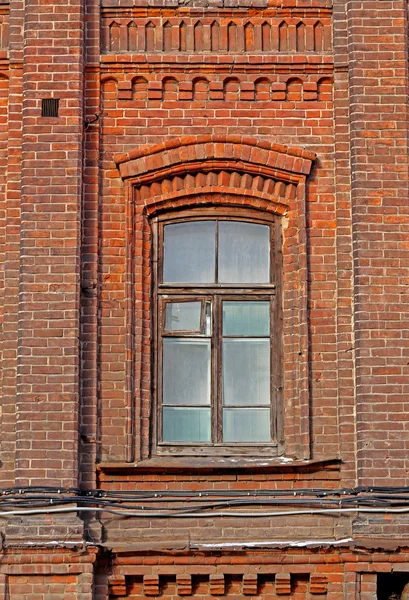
246, 318
246, 371
186, 424
186, 371
190, 252
244, 252
183, 316
246, 425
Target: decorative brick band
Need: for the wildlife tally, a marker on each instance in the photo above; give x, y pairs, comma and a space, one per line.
231, 88
214, 34
169, 582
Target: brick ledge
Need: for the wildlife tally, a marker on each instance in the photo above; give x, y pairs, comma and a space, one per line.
174, 464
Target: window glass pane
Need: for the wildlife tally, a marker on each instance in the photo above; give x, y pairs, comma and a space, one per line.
246, 371
189, 252
186, 424
246, 425
244, 252
246, 318
186, 371
183, 316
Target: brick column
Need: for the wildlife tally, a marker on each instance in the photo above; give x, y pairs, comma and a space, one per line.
377, 42
48, 348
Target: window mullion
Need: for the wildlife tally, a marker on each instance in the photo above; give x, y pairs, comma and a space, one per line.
216, 400
217, 253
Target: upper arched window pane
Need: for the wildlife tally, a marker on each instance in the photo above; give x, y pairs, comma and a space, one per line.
216, 252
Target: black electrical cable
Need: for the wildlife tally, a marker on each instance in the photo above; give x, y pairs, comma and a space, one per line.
199, 502
296, 502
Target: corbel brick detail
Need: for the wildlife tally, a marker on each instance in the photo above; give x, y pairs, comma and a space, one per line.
278, 91
151, 585
185, 90
249, 584
310, 91
184, 584
125, 90
247, 91
283, 584
318, 584
217, 584
117, 585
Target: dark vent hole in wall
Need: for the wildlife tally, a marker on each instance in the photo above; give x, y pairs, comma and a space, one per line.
49, 107
393, 586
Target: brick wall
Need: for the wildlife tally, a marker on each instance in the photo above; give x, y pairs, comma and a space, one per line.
149, 87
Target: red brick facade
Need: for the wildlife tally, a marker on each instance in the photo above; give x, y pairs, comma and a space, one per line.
293, 109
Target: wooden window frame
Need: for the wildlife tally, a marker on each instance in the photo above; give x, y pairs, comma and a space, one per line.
163, 293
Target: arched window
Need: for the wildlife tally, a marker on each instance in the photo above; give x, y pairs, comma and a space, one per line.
218, 357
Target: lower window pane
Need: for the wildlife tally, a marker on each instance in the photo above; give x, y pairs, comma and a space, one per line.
186, 424
246, 371
246, 425
186, 371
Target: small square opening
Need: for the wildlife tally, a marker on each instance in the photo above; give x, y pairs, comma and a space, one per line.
49, 107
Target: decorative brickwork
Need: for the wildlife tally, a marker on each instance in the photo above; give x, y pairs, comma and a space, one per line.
283, 584
236, 171
117, 586
318, 584
184, 585
216, 584
151, 585
250, 585
216, 33
276, 88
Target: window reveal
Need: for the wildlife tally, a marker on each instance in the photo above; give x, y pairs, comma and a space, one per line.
217, 367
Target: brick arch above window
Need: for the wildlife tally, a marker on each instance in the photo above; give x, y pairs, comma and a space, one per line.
265, 175
148, 163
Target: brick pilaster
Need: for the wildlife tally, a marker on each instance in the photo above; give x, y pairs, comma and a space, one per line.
48, 350
12, 245
379, 157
